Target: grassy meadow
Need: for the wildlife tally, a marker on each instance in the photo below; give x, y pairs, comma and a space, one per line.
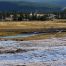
14, 28
27, 26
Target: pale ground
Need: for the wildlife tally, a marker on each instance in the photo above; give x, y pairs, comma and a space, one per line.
47, 52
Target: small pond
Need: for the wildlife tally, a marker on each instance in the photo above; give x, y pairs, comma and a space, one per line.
19, 35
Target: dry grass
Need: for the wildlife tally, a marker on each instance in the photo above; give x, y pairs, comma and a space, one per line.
8, 33
31, 25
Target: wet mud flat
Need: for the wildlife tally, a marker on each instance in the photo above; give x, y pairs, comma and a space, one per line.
47, 52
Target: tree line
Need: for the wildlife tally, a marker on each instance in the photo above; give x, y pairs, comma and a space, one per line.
32, 16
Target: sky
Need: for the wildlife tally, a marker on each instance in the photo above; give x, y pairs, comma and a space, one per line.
38, 0
45, 1
55, 2
33, 0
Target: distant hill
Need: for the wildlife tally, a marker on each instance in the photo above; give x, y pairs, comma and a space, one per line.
22, 6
